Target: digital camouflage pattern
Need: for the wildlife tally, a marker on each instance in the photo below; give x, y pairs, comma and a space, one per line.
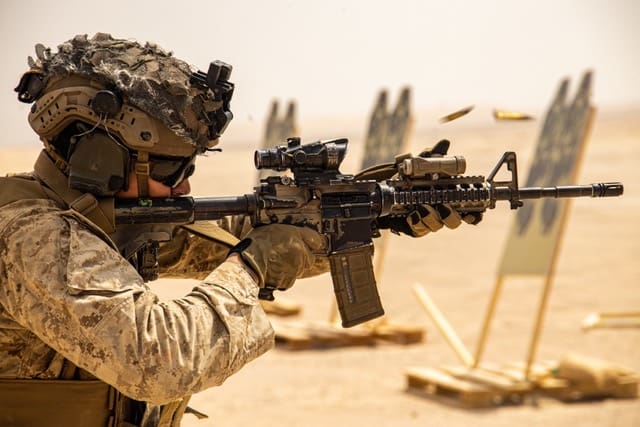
88, 305
71, 306
188, 255
148, 77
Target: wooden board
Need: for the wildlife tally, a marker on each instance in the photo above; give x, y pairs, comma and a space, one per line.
491, 379
550, 383
491, 385
443, 386
568, 391
297, 335
397, 333
312, 335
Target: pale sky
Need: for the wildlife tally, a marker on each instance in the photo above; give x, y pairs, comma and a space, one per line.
333, 56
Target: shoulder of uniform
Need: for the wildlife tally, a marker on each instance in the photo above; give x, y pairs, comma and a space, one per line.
29, 218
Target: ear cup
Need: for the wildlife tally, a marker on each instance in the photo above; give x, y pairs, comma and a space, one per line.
98, 165
106, 103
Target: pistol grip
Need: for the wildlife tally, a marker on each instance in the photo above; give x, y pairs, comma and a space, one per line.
355, 285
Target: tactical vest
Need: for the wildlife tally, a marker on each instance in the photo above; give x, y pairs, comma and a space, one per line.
66, 401
69, 401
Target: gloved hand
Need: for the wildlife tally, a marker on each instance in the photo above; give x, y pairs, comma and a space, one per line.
279, 254
425, 218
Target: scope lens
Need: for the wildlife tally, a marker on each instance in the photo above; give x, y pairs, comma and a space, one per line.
257, 160
269, 158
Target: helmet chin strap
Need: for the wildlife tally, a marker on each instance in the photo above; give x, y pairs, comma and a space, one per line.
60, 162
142, 170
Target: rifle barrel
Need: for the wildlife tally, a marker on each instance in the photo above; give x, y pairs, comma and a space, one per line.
182, 210
602, 189
209, 208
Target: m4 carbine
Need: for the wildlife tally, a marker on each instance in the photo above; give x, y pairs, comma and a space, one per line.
345, 208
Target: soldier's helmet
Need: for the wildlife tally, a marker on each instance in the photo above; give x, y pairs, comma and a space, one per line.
100, 102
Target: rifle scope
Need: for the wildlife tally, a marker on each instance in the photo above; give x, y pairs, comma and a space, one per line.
316, 156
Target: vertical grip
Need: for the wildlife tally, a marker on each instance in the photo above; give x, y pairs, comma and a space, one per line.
355, 285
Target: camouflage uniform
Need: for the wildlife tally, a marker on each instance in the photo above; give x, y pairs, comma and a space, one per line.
72, 304
68, 296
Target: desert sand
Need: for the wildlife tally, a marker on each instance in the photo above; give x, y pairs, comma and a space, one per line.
598, 270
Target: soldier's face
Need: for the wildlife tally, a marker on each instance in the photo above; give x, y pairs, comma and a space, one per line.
156, 188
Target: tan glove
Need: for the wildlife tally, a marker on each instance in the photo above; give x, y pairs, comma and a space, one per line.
425, 219
279, 254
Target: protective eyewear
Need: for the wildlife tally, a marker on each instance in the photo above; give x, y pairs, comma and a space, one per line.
170, 171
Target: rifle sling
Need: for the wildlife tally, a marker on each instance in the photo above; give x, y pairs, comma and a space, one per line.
212, 231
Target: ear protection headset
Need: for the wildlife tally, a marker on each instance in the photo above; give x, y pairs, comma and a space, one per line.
97, 163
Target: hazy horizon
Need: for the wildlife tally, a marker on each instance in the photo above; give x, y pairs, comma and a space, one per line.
333, 57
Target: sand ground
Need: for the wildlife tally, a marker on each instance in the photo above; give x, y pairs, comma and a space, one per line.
597, 270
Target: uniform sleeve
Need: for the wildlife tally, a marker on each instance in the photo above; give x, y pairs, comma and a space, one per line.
82, 299
191, 256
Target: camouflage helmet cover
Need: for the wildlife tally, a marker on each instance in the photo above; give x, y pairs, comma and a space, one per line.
147, 78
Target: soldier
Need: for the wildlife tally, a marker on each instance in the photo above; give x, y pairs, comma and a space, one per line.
83, 340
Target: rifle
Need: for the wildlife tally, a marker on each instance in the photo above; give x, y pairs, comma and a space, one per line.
345, 207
